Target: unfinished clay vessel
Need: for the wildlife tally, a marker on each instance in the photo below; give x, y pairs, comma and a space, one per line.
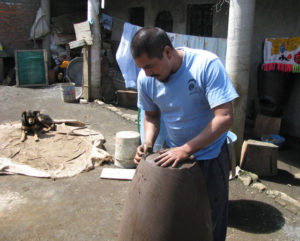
166, 204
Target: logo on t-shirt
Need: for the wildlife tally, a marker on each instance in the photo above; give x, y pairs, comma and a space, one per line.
192, 86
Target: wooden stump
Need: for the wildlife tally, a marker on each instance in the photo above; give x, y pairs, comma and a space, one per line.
127, 97
259, 157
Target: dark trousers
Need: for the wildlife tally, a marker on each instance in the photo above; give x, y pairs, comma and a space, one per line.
216, 173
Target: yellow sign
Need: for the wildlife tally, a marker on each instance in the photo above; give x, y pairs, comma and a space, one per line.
290, 44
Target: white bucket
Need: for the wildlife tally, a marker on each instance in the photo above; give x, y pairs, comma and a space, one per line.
125, 149
68, 92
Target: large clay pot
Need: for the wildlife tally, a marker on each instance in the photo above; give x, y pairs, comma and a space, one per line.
166, 204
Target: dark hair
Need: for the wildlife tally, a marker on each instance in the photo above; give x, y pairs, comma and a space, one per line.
149, 40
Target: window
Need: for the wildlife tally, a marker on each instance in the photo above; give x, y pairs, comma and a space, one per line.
199, 19
136, 16
164, 21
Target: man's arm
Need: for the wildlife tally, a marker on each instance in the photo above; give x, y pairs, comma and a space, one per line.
221, 122
152, 126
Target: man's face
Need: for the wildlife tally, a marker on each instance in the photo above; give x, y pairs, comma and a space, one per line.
158, 68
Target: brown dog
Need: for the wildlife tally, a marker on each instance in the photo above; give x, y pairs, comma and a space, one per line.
34, 121
46, 122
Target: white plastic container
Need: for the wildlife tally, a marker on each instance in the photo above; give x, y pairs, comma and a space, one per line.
125, 149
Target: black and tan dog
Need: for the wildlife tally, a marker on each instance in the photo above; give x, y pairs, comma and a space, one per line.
34, 121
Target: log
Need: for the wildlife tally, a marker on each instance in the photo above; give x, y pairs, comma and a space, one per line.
259, 157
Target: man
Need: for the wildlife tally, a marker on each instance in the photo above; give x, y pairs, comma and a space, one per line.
192, 92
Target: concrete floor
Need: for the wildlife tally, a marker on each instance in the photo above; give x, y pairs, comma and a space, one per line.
287, 179
86, 207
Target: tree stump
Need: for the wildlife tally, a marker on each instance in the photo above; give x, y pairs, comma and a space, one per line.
259, 157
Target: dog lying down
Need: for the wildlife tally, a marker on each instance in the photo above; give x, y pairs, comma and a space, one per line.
35, 122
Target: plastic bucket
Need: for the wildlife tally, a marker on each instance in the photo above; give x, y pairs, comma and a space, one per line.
125, 149
68, 92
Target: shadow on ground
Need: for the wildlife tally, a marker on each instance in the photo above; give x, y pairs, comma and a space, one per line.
283, 177
254, 217
289, 154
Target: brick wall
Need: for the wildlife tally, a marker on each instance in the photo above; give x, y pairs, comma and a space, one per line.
16, 19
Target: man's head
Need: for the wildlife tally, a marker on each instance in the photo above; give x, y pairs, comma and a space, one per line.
152, 51
149, 40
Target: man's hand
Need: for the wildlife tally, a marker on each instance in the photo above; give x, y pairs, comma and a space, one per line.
171, 157
140, 151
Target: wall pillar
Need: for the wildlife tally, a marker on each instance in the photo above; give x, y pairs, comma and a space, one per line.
240, 28
95, 50
45, 6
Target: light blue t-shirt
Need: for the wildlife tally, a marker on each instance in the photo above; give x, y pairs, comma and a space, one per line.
186, 100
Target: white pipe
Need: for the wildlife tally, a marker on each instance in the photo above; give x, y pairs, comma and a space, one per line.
240, 28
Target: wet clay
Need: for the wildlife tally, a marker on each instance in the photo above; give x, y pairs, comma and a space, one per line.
166, 204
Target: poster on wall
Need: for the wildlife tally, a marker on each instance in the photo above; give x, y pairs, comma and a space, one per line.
281, 54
